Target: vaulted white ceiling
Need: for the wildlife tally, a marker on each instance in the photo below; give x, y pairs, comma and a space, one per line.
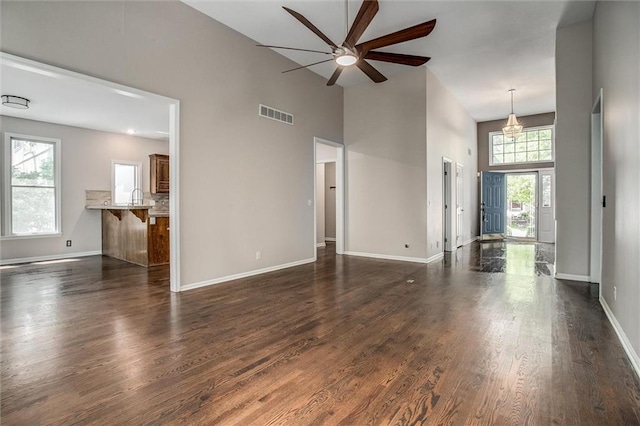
479, 49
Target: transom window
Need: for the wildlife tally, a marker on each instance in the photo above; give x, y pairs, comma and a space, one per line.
533, 145
32, 203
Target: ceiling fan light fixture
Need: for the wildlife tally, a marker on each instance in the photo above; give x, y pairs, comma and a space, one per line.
344, 57
15, 101
512, 128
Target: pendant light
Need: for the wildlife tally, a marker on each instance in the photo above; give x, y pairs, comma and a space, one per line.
513, 128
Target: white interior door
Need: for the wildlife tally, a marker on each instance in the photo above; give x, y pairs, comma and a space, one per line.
546, 209
459, 206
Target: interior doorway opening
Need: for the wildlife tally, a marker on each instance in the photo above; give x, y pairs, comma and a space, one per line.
597, 198
328, 195
447, 222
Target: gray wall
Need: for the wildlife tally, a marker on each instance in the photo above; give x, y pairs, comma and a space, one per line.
86, 164
330, 200
486, 127
245, 182
573, 148
396, 135
385, 140
616, 69
451, 133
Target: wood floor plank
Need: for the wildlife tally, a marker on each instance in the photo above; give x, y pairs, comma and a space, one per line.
484, 337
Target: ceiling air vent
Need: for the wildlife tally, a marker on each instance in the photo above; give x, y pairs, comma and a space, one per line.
274, 114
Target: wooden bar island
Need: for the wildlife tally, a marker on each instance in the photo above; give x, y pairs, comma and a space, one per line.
132, 234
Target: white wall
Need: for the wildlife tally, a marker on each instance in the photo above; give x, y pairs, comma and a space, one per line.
320, 204
385, 140
245, 182
86, 164
451, 133
326, 153
573, 148
616, 69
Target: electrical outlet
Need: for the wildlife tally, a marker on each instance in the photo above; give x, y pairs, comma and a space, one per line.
615, 293
258, 255
68, 243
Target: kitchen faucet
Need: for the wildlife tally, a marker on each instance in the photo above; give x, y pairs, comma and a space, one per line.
137, 201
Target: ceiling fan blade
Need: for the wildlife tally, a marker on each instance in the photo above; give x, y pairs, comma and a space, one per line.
293, 48
365, 15
312, 27
370, 71
411, 33
306, 66
334, 76
397, 58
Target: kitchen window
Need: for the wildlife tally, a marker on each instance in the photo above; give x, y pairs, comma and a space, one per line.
533, 145
125, 178
32, 188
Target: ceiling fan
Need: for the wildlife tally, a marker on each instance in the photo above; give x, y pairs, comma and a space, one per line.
352, 53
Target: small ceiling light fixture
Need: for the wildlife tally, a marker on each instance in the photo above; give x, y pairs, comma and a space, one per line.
15, 101
513, 128
344, 57
131, 131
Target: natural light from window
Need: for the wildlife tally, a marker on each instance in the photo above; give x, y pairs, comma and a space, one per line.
126, 178
33, 199
533, 145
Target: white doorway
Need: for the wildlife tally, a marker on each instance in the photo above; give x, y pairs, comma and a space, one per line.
522, 206
459, 205
597, 196
447, 231
328, 157
172, 109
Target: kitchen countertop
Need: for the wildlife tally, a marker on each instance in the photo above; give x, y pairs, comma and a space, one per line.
151, 211
120, 207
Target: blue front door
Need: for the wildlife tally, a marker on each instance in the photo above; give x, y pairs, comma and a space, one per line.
494, 199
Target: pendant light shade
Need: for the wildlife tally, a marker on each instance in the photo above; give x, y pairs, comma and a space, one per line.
512, 128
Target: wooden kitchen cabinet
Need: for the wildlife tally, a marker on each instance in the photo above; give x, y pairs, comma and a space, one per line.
134, 236
159, 173
158, 246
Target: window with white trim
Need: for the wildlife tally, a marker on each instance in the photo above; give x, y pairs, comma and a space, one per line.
126, 177
32, 189
533, 145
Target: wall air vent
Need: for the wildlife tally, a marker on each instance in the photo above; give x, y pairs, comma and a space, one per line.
274, 114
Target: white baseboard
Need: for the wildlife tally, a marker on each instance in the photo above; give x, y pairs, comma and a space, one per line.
320, 245
386, 257
470, 241
561, 276
51, 257
435, 257
245, 274
330, 239
626, 344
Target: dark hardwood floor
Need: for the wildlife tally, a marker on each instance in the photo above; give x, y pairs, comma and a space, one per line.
486, 336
